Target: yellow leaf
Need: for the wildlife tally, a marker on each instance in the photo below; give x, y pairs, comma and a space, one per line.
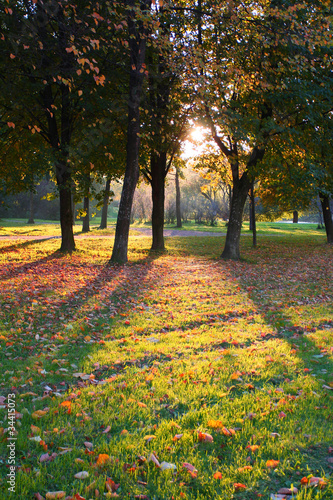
39, 414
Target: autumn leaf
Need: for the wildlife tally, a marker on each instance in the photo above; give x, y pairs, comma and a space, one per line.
55, 495
203, 436
239, 486
39, 414
111, 485
253, 447
215, 424
271, 464
81, 475
191, 469
102, 459
149, 438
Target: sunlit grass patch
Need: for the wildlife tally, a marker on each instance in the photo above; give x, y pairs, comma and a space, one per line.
221, 370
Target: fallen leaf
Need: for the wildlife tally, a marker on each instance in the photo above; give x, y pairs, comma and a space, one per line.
55, 495
81, 475
271, 464
38, 414
168, 466
239, 486
102, 459
203, 436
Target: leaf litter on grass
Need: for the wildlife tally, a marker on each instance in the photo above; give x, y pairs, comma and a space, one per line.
127, 373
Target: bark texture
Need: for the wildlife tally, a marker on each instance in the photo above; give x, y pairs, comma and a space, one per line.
137, 43
178, 207
104, 217
66, 215
239, 194
327, 216
253, 216
85, 223
157, 171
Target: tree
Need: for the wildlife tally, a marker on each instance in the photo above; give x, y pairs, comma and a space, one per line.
253, 68
137, 22
49, 50
167, 111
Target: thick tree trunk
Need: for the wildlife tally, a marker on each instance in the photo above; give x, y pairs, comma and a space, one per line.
253, 216
295, 217
31, 208
327, 216
85, 223
137, 44
66, 215
158, 169
239, 194
178, 209
104, 218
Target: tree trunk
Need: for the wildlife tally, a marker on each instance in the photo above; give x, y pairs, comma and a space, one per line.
104, 218
250, 214
73, 203
295, 217
85, 224
253, 216
239, 194
158, 169
178, 209
327, 216
66, 215
31, 208
137, 44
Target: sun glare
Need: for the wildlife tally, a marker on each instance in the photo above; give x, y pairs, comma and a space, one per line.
195, 142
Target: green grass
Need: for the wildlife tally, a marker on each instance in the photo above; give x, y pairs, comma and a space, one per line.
16, 227
173, 344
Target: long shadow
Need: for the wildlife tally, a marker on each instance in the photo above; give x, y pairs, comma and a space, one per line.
26, 244
76, 300
299, 339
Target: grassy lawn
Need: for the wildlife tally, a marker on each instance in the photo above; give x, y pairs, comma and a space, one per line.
17, 227
176, 376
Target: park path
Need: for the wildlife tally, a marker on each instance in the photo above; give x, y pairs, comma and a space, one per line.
145, 231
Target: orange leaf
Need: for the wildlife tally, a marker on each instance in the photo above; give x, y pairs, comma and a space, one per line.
239, 486
142, 405
272, 463
245, 468
203, 436
253, 447
102, 459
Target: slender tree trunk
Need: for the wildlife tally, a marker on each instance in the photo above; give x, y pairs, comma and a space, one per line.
137, 44
104, 218
178, 209
253, 216
158, 169
327, 216
66, 215
31, 208
85, 223
250, 214
239, 194
295, 217
73, 203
